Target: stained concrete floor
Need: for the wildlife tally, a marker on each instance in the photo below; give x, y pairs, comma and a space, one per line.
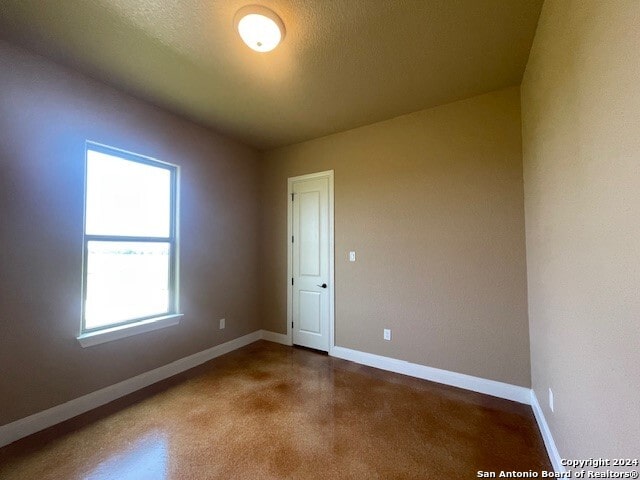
268, 411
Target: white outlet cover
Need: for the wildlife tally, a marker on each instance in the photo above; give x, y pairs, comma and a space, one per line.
222, 323
551, 399
352, 256
387, 334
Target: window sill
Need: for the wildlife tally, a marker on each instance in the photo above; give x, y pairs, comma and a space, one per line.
122, 331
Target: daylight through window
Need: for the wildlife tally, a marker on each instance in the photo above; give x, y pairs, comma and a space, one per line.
130, 239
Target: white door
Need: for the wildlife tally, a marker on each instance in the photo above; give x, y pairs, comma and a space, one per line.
310, 242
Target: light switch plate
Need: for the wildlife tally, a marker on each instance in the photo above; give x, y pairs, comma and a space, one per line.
352, 256
222, 323
387, 334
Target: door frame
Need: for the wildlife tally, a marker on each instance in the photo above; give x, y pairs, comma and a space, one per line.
290, 181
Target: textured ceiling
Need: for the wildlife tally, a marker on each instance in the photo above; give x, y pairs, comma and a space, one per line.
342, 64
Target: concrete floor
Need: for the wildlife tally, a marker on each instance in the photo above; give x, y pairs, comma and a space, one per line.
268, 411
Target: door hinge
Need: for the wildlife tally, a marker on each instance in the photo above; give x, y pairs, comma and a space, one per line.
291, 238
291, 324
292, 197
292, 281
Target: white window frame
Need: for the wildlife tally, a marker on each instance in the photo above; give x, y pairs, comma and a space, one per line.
114, 331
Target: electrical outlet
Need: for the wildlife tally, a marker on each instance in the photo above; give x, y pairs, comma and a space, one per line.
222, 323
387, 334
352, 256
551, 399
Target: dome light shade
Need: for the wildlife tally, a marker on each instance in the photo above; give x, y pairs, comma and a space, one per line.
260, 28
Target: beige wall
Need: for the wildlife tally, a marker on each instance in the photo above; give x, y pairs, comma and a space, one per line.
432, 202
581, 143
46, 114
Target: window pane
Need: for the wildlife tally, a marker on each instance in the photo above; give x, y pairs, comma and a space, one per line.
126, 197
126, 280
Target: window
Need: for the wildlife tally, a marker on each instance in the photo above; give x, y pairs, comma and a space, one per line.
130, 247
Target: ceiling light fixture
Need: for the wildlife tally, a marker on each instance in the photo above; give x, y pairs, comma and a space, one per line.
260, 28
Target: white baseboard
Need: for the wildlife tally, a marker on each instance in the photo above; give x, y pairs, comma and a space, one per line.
275, 337
34, 423
549, 442
460, 380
